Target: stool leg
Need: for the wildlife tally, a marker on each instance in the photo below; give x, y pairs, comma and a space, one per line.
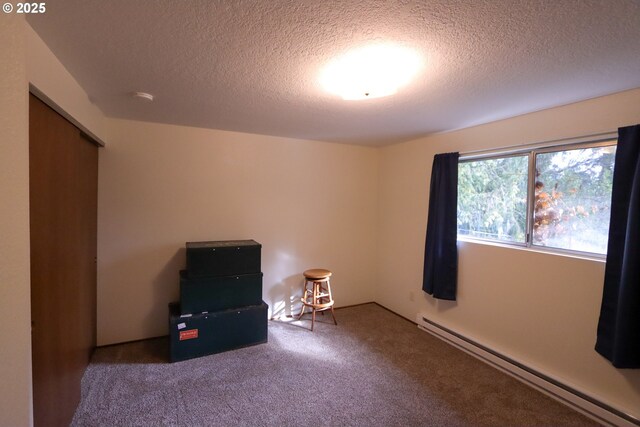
316, 287
322, 300
331, 299
304, 298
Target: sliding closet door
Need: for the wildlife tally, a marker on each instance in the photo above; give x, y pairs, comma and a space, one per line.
63, 172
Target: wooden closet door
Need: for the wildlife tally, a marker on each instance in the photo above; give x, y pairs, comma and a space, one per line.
63, 172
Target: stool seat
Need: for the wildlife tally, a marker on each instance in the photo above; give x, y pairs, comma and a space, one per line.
317, 273
318, 297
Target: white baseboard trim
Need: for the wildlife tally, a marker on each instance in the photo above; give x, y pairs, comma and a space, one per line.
579, 401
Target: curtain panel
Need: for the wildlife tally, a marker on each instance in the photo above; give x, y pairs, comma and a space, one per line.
618, 337
441, 251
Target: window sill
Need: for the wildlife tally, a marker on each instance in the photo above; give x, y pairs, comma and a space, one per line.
536, 249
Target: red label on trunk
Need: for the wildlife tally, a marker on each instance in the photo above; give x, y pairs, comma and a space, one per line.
188, 334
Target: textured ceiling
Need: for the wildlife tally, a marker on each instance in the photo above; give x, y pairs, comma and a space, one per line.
252, 66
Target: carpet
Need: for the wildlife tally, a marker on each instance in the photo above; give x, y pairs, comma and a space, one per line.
373, 369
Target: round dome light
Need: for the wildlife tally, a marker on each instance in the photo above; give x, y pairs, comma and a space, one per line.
371, 72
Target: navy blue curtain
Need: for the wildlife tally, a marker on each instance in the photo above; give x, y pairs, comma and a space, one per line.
441, 251
619, 324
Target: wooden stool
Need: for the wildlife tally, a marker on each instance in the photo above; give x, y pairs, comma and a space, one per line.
319, 297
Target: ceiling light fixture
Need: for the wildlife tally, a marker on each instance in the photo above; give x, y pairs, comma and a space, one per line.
144, 96
371, 72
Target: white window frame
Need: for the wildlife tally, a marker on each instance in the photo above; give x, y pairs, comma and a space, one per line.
602, 140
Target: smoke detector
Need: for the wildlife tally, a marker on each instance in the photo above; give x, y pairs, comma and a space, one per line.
143, 96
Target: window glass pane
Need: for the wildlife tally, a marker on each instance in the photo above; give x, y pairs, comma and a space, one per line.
492, 198
573, 199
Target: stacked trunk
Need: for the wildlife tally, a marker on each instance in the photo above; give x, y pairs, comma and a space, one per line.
221, 305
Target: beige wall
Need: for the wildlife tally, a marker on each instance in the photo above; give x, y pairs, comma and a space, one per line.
49, 75
541, 309
310, 204
15, 329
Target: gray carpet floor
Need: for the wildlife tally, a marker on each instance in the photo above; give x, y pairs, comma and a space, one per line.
373, 369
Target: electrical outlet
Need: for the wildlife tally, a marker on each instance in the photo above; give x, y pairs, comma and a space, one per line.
412, 296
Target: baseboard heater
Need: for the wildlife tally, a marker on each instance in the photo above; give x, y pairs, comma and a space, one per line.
581, 402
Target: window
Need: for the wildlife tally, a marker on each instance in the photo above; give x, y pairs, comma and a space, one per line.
492, 198
557, 197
